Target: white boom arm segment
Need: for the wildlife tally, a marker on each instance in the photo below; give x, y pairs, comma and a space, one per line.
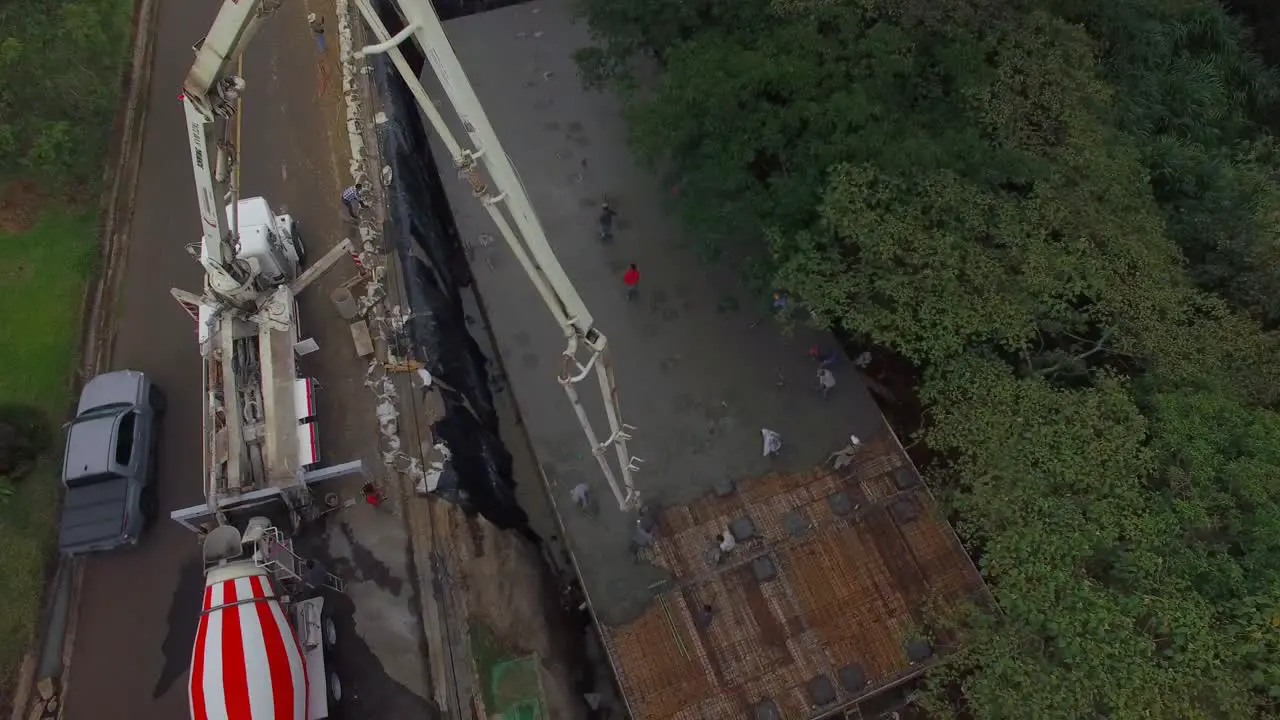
528, 241
209, 97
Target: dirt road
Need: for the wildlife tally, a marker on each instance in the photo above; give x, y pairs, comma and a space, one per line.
138, 610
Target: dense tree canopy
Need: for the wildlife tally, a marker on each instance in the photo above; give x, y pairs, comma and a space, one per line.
60, 71
1067, 214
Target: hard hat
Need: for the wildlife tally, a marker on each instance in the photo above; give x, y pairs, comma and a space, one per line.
311, 17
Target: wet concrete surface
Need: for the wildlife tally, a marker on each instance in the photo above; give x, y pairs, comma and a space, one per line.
138, 609
701, 367
380, 636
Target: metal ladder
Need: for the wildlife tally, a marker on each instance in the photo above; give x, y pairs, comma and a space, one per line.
275, 555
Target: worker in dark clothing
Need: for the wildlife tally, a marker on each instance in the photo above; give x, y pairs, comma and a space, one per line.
607, 214
825, 358
702, 616
780, 300
317, 30
315, 575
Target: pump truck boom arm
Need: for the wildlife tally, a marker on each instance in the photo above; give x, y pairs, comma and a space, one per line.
209, 97
587, 349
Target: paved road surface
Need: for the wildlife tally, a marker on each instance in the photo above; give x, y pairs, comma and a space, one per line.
138, 609
699, 375
126, 599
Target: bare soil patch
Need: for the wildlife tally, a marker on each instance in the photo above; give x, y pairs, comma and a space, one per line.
20, 204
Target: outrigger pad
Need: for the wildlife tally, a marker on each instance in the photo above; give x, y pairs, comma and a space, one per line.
905, 510
742, 528
905, 478
841, 504
795, 522
767, 710
764, 569
919, 651
853, 678
723, 487
821, 690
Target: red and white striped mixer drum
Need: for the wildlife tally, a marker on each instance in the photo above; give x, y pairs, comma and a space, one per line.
247, 664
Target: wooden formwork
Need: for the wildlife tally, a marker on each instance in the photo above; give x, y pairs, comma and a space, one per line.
834, 576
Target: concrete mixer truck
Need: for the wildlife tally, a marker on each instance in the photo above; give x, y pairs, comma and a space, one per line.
263, 635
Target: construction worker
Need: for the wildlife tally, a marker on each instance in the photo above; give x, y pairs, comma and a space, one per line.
826, 381
352, 201
703, 615
607, 214
772, 442
780, 300
315, 575
825, 358
581, 496
317, 30
372, 494
631, 279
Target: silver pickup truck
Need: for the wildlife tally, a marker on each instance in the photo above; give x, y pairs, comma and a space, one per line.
108, 468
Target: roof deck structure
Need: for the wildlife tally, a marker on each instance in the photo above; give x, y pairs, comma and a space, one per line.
816, 607
701, 368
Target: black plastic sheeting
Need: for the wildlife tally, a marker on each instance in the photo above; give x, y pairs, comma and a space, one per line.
450, 9
478, 475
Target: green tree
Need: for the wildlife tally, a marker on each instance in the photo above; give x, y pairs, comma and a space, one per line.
1133, 553
1064, 212
60, 72
1192, 92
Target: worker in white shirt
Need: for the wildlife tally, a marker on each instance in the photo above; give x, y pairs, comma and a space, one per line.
826, 381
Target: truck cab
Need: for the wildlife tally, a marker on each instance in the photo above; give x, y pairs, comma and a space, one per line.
268, 239
108, 465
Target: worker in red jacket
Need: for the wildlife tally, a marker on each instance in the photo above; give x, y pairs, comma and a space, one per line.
631, 279
372, 494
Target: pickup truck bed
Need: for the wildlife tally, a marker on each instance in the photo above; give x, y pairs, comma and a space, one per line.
94, 515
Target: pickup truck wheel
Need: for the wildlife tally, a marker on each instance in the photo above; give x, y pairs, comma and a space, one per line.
149, 504
159, 403
298, 247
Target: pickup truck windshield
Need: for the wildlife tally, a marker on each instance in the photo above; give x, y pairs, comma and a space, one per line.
109, 409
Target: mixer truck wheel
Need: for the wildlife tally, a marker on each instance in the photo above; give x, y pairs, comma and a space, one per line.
298, 248
330, 633
149, 504
157, 400
335, 689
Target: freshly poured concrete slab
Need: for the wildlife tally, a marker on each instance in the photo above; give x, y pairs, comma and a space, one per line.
698, 375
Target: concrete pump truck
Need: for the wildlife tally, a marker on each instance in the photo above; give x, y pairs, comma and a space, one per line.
261, 445
263, 635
